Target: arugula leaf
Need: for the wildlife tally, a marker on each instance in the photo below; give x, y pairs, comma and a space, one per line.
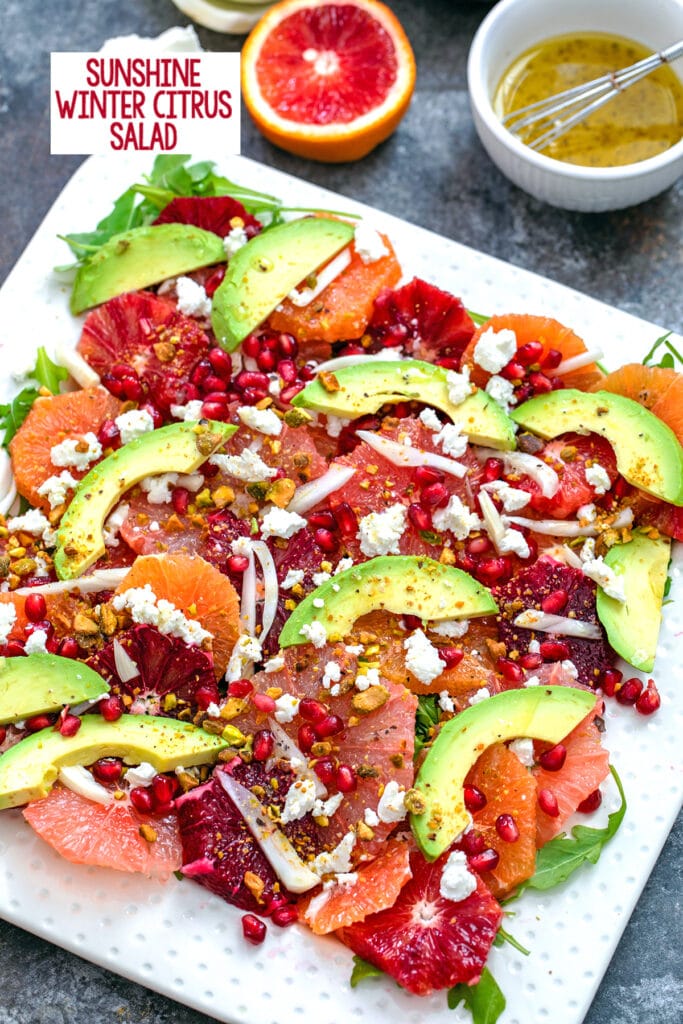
477, 318
502, 937
123, 216
560, 858
426, 719
485, 1001
669, 359
430, 537
45, 373
362, 969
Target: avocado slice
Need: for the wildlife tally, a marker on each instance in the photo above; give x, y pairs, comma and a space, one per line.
142, 256
365, 387
648, 452
633, 627
41, 683
403, 584
264, 271
542, 713
177, 448
29, 769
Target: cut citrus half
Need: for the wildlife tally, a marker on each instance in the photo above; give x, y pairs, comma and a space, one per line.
198, 590
328, 80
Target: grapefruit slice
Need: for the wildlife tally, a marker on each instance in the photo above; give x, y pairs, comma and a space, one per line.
85, 832
377, 888
199, 590
328, 80
51, 421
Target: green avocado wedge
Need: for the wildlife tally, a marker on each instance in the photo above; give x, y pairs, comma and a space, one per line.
402, 584
648, 452
42, 683
264, 271
140, 257
29, 769
365, 387
633, 626
541, 712
176, 448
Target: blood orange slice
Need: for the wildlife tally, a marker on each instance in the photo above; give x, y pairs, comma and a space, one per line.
377, 887
85, 832
328, 80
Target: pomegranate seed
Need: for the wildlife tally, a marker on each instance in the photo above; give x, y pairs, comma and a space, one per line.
552, 760
213, 383
282, 916
552, 359
352, 350
221, 362
325, 540
523, 392
324, 519
113, 385
288, 345
473, 843
262, 702
533, 550
530, 353
325, 770
506, 827
490, 570
3, 734
204, 696
547, 801
37, 722
180, 499
290, 392
419, 517
250, 379
39, 627
426, 475
141, 799
451, 655
347, 521
269, 342
478, 546
213, 281
14, 649
540, 383
111, 708
308, 371
449, 363
68, 648
554, 650
132, 389
510, 670
264, 744
312, 710
330, 725
109, 434
475, 800
531, 661
266, 361
213, 410
250, 396
346, 779
487, 860
434, 496
108, 769
629, 692
253, 929
493, 470
465, 562
513, 370
591, 803
286, 370
238, 563
649, 701
35, 607
52, 645
306, 737
555, 602
163, 789
251, 346
201, 372
121, 370
70, 725
240, 688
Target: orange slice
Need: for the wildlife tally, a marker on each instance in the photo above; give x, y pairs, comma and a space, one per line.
658, 388
328, 80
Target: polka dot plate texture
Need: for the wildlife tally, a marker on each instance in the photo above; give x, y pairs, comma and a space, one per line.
182, 941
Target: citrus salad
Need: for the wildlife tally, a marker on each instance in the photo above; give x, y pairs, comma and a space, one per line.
314, 583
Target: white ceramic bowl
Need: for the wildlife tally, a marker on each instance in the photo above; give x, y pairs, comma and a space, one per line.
515, 25
238, 18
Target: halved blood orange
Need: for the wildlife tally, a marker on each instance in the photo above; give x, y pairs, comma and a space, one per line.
551, 333
198, 590
342, 311
376, 888
85, 832
50, 421
509, 789
328, 80
658, 388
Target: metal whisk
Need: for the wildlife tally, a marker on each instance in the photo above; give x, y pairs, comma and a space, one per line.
542, 116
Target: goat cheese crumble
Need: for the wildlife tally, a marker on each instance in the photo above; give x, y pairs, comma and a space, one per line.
524, 749
192, 298
33, 522
299, 801
369, 243
391, 806
265, 421
457, 881
501, 391
598, 478
381, 532
55, 488
459, 386
422, 657
76, 451
278, 522
146, 608
8, 616
457, 518
192, 410
234, 240
495, 349
315, 633
247, 466
134, 424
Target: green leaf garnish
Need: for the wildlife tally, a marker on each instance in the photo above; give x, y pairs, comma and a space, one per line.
561, 857
362, 969
502, 937
669, 359
48, 375
429, 537
477, 318
426, 720
485, 1001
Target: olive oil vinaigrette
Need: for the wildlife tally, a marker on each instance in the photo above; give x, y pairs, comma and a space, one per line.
641, 122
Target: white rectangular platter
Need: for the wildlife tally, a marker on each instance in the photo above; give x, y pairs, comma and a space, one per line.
183, 942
